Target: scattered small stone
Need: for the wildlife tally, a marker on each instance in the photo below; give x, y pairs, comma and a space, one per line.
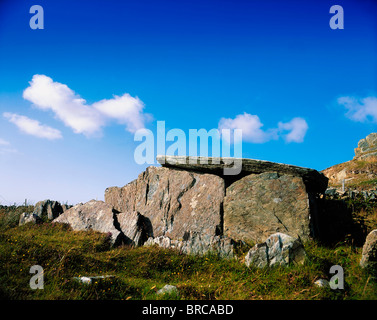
89, 280
278, 249
322, 283
168, 289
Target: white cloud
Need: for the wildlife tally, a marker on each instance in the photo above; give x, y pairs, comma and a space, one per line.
75, 113
297, 128
360, 110
252, 131
126, 109
250, 126
33, 127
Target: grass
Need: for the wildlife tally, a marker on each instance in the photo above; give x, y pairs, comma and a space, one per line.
140, 272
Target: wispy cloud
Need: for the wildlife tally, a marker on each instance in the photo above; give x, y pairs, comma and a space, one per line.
252, 131
81, 117
33, 127
360, 109
6, 148
4, 142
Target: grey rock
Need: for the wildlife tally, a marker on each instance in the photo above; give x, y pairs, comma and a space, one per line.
174, 203
43, 211
93, 215
29, 218
331, 192
322, 283
278, 249
48, 208
134, 228
367, 147
369, 253
168, 289
195, 244
257, 256
125, 227
314, 180
259, 205
91, 279
283, 250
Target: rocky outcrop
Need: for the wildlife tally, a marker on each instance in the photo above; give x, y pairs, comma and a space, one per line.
278, 249
124, 228
367, 147
314, 181
176, 203
45, 210
361, 171
93, 215
259, 205
196, 208
29, 218
369, 254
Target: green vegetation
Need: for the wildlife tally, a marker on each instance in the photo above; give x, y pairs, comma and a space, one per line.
140, 272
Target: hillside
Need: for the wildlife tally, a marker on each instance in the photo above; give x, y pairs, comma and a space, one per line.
360, 172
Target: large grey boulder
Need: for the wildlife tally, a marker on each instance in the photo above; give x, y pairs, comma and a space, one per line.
369, 254
262, 204
45, 210
29, 218
124, 227
93, 215
48, 208
173, 202
278, 249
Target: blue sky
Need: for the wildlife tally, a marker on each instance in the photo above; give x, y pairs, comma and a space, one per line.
73, 94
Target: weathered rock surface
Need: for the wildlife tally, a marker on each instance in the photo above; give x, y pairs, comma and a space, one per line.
168, 289
367, 147
48, 208
175, 203
91, 279
29, 218
183, 205
278, 249
93, 215
314, 180
125, 227
369, 255
43, 210
134, 228
322, 283
259, 205
195, 244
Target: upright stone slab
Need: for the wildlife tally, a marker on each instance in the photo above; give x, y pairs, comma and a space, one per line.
175, 203
369, 255
259, 205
